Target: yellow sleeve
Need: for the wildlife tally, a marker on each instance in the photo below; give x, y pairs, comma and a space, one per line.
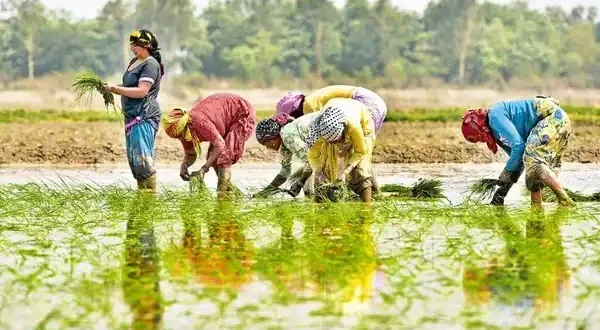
357, 136
317, 99
314, 155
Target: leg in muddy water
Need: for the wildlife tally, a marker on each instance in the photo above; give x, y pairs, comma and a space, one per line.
224, 185
536, 198
500, 194
366, 195
541, 175
148, 184
376, 189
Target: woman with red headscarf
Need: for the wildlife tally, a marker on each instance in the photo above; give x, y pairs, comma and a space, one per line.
534, 133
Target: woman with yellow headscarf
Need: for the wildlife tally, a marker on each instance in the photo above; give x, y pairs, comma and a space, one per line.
224, 120
139, 92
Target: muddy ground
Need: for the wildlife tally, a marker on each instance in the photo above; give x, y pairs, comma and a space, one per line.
103, 143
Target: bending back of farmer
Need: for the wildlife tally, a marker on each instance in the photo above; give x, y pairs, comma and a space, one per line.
347, 124
139, 92
534, 133
224, 120
281, 132
296, 104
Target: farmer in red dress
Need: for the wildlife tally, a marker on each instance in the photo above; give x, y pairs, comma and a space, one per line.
224, 120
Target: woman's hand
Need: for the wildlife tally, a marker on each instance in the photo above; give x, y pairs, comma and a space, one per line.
205, 168
109, 88
183, 172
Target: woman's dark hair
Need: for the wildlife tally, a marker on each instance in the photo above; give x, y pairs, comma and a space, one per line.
154, 50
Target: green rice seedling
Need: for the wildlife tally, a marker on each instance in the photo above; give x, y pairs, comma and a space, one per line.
484, 188
577, 196
427, 188
86, 83
334, 192
197, 185
424, 188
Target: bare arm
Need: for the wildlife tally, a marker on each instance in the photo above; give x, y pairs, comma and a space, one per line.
133, 92
217, 147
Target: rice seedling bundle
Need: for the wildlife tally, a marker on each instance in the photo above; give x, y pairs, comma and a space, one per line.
577, 196
87, 83
424, 188
484, 188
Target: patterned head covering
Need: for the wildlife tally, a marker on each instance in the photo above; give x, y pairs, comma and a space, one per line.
176, 125
142, 38
290, 103
475, 128
271, 127
330, 125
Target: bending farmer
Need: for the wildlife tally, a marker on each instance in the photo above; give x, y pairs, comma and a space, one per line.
346, 124
288, 136
534, 133
296, 104
224, 120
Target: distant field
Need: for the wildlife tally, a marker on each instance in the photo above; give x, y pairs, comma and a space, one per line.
585, 115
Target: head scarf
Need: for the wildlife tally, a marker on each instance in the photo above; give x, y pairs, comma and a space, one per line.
177, 126
271, 127
290, 103
475, 128
329, 125
142, 38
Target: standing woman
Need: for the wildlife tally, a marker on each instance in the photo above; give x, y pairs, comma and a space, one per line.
224, 120
139, 92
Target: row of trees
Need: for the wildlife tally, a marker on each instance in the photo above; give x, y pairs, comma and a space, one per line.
465, 42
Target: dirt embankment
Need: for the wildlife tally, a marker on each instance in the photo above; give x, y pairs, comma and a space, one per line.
102, 143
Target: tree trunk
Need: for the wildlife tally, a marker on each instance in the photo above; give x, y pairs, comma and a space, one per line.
318, 48
464, 43
30, 45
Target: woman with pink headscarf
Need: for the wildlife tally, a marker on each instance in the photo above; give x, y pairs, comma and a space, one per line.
297, 104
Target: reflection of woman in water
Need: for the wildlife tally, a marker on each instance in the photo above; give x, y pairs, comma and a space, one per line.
226, 260
532, 273
344, 263
140, 271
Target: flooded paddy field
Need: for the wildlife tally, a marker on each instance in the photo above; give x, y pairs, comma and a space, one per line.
80, 250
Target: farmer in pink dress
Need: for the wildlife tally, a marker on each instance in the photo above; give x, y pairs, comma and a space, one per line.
224, 120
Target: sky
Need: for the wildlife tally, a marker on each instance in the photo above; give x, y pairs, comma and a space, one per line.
90, 8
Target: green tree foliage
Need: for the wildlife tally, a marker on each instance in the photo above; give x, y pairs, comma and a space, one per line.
267, 42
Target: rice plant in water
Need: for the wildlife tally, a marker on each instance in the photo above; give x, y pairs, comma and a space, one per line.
577, 196
87, 83
333, 192
424, 188
484, 188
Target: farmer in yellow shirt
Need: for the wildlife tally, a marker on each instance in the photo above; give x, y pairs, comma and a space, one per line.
347, 125
296, 104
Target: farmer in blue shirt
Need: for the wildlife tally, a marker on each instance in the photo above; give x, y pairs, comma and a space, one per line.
139, 98
534, 133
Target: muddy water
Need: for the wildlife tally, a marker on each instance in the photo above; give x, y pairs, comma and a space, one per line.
456, 178
72, 266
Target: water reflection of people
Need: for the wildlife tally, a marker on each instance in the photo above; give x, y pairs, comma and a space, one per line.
141, 270
531, 273
344, 261
226, 260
